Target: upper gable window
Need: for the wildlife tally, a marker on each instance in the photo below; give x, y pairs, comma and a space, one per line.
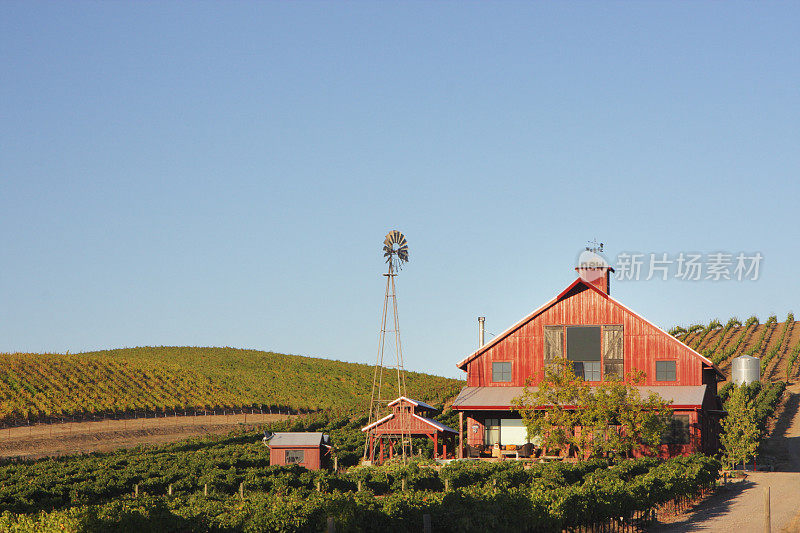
596, 352
584, 349
666, 371
501, 372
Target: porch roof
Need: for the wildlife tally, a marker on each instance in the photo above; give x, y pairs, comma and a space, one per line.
487, 398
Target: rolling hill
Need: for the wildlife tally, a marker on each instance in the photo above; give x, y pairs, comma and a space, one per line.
776, 343
45, 386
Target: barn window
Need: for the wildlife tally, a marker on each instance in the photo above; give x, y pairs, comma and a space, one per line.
491, 431
665, 371
295, 456
613, 352
588, 370
501, 372
677, 431
583, 349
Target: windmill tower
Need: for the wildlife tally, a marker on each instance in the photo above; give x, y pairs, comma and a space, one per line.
395, 250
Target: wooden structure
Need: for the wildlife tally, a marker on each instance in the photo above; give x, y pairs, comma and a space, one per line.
311, 450
406, 418
602, 338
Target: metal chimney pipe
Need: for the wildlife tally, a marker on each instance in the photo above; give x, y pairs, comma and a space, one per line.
481, 322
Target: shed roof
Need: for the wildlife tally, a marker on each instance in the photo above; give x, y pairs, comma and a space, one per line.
416, 403
500, 397
289, 439
438, 425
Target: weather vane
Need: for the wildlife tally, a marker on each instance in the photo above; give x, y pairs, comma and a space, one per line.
594, 246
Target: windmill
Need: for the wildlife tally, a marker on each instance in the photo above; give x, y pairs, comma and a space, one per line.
395, 250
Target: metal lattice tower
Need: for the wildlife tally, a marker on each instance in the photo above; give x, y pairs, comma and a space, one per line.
395, 248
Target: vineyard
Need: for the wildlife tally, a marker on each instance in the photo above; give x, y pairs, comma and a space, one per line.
49, 386
777, 344
225, 484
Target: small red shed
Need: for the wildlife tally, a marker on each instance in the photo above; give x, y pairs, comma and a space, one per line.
307, 449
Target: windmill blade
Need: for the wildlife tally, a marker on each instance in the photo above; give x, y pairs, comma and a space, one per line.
395, 244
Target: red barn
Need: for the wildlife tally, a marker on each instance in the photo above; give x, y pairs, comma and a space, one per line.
602, 338
302, 448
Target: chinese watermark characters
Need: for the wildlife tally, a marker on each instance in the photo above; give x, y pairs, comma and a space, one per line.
687, 266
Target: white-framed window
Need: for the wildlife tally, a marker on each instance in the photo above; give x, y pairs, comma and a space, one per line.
491, 431
295, 456
666, 371
501, 371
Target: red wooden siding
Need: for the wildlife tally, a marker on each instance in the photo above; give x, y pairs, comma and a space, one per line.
313, 457
404, 422
643, 342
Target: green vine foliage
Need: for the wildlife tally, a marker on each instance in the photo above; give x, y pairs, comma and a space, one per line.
42, 386
712, 326
506, 496
731, 350
611, 419
770, 355
740, 433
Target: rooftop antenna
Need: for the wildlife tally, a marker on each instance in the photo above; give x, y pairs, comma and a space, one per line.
395, 250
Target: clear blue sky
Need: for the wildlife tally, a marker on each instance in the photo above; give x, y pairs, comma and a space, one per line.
224, 173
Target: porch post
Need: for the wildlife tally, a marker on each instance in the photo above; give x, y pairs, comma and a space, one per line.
461, 434
435, 445
371, 448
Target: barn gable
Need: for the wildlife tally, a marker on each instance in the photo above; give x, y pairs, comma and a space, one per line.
629, 342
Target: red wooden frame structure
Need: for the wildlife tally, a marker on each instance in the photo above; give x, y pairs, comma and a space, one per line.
406, 420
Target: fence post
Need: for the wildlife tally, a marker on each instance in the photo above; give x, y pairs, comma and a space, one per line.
446, 484
169, 490
136, 491
331, 525
403, 484
767, 518
241, 490
359, 485
205, 489
426, 523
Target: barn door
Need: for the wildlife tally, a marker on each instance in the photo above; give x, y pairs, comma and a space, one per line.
613, 352
553, 345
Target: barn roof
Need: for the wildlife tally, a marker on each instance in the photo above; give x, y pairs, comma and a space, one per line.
463, 363
501, 397
299, 439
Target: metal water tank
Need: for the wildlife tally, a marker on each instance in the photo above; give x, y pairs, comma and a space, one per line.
746, 369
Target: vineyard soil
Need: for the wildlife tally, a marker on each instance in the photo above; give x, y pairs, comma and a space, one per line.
47, 440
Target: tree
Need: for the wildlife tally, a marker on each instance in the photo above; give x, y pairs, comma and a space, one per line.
740, 434
609, 419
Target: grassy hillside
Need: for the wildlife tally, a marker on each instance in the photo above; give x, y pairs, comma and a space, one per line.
38, 386
777, 344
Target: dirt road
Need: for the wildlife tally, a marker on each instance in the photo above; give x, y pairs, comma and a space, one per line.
739, 507
44, 440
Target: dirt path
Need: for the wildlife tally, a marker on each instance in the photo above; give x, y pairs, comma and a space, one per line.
42, 440
739, 507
